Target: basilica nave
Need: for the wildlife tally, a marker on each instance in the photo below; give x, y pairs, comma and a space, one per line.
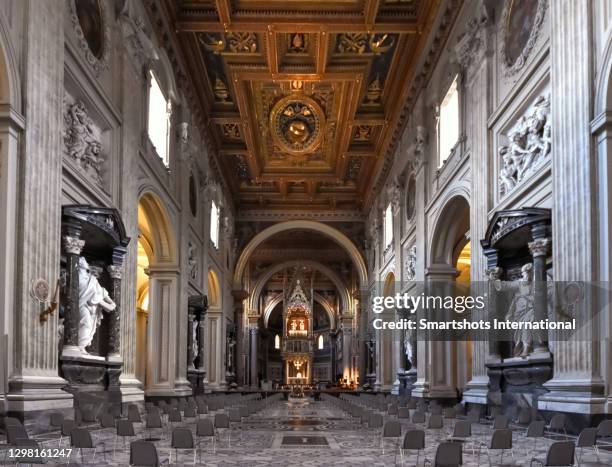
211, 210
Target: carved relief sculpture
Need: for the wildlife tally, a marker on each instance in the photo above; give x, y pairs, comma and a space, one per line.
93, 300
81, 140
529, 145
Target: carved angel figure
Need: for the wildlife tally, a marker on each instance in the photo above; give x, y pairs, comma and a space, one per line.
522, 309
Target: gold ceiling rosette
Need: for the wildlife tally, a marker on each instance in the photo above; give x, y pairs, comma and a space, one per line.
296, 124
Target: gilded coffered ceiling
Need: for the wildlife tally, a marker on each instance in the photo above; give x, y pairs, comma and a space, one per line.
302, 97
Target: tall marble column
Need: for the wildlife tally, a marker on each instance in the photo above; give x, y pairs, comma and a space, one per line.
254, 331
115, 271
73, 246
577, 385
539, 251
34, 383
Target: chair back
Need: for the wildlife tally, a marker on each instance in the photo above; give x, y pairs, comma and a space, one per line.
524, 416
403, 412
448, 454
204, 427
376, 421
501, 439
15, 433
125, 428
81, 438
56, 419
222, 421
449, 412
604, 429
536, 429
67, 427
462, 429
392, 429
234, 415
174, 415
143, 454
88, 415
182, 438
412, 404
474, 415
500, 422
244, 411
435, 422
436, 410
134, 414
414, 439
557, 422
418, 417
189, 412
202, 408
154, 420
392, 409
587, 438
107, 420
560, 453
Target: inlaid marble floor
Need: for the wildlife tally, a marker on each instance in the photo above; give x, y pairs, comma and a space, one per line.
309, 433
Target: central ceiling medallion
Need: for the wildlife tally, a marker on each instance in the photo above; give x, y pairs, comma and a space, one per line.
296, 124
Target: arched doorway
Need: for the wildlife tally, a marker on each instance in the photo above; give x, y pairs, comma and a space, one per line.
10, 134
156, 299
215, 333
449, 367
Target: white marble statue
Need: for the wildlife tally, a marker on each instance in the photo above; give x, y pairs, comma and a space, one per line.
522, 309
93, 300
408, 347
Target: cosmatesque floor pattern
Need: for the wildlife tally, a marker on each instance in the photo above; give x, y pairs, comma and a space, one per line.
309, 433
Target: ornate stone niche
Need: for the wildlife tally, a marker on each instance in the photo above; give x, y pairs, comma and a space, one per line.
197, 306
517, 247
94, 243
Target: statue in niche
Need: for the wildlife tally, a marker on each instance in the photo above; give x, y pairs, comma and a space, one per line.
93, 300
522, 309
194, 340
408, 350
529, 144
192, 261
410, 264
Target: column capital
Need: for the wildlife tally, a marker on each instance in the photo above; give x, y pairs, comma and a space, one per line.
115, 271
539, 247
73, 245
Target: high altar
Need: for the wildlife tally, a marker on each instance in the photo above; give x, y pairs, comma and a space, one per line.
298, 339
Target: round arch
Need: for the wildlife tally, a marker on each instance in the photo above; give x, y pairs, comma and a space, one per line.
317, 297
214, 290
330, 273
447, 233
10, 83
319, 227
389, 287
155, 227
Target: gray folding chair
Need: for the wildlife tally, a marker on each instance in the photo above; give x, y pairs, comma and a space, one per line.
403, 412
391, 429
414, 440
124, 429
435, 422
501, 440
66, 429
560, 453
448, 454
535, 430
557, 424
500, 422
205, 429
143, 454
80, 438
134, 414
418, 416
182, 440
153, 422
222, 423
586, 439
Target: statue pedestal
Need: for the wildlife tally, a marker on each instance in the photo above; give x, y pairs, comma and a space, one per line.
516, 381
90, 372
196, 378
409, 378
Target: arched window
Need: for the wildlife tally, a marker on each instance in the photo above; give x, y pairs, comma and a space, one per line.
214, 224
277, 342
448, 123
158, 126
388, 226
320, 342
